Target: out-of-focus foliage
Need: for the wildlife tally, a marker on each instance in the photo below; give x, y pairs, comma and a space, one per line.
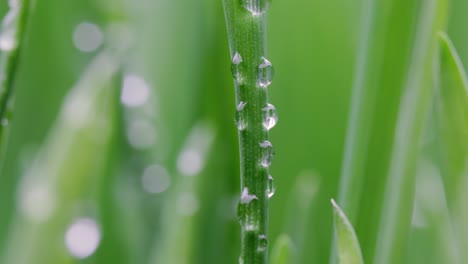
163, 187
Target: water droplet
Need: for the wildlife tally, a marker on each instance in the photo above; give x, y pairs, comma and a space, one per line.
190, 162
241, 116
135, 91
246, 198
7, 40
265, 73
271, 189
262, 243
87, 37
82, 238
270, 116
267, 153
141, 134
4, 122
236, 67
155, 179
256, 7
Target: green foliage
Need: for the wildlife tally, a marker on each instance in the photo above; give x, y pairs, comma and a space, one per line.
349, 251
372, 103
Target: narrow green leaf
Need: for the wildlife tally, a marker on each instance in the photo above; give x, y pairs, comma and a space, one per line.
11, 39
282, 252
67, 169
452, 113
452, 131
349, 251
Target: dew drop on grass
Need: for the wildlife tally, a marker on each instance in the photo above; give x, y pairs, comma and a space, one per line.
262, 243
246, 197
270, 117
82, 238
241, 116
256, 7
265, 73
267, 153
8, 39
236, 67
271, 187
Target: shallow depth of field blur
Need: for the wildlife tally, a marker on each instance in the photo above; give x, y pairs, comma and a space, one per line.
163, 185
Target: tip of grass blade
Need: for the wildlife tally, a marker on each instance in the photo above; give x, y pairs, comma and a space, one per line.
283, 250
349, 251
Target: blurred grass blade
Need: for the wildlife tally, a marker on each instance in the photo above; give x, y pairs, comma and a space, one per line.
397, 207
452, 128
282, 252
176, 243
67, 170
349, 251
12, 38
452, 116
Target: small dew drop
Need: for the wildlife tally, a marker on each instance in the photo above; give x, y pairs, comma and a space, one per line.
246, 198
135, 91
265, 73
7, 40
236, 67
141, 134
4, 122
241, 116
155, 179
256, 7
262, 243
271, 189
270, 117
87, 37
82, 238
267, 153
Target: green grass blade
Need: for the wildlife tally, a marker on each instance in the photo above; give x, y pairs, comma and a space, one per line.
397, 206
452, 131
253, 73
349, 251
67, 170
452, 116
12, 38
283, 251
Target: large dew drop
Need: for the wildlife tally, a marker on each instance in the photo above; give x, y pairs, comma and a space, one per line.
256, 7
262, 243
270, 187
267, 153
265, 73
236, 67
241, 116
270, 117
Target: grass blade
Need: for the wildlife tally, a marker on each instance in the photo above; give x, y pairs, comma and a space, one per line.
67, 169
282, 252
399, 191
253, 73
452, 131
349, 251
452, 115
11, 40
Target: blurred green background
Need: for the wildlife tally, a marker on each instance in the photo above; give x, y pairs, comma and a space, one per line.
163, 185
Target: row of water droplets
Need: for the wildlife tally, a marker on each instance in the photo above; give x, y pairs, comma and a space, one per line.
264, 76
269, 119
8, 39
